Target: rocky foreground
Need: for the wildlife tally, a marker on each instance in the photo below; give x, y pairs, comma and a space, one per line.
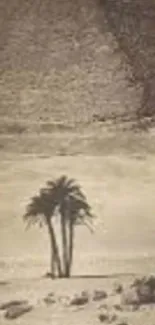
122, 302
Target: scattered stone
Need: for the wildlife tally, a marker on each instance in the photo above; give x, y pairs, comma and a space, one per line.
130, 297
104, 306
146, 290
117, 307
17, 311
98, 118
85, 293
99, 295
51, 294
112, 318
80, 300
13, 303
3, 283
103, 317
141, 291
135, 307
118, 288
49, 300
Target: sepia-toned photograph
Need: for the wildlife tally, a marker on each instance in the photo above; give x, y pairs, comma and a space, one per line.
77, 162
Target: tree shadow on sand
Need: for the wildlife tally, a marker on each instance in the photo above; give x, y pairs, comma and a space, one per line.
101, 276
96, 276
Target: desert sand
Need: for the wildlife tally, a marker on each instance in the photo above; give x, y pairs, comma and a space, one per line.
73, 76
120, 189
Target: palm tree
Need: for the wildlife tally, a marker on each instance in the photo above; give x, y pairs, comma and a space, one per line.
65, 197
41, 210
74, 209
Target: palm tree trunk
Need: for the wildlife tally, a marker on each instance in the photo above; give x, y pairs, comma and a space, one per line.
71, 247
64, 244
53, 262
55, 258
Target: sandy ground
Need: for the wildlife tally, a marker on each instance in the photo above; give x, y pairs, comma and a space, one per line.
36, 290
48, 77
120, 189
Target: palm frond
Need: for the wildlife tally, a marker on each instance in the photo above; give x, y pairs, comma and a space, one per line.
33, 221
40, 206
63, 186
33, 207
78, 210
58, 183
88, 225
63, 195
